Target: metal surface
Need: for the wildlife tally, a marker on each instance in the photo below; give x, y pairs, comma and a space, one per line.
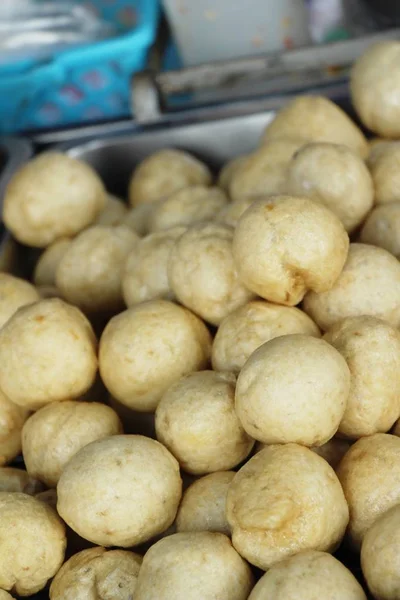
214, 142
13, 154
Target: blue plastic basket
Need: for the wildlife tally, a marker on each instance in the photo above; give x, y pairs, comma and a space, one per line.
85, 84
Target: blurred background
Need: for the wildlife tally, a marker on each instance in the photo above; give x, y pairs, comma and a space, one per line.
71, 62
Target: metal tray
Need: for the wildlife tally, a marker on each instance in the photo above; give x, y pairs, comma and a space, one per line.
114, 151
13, 153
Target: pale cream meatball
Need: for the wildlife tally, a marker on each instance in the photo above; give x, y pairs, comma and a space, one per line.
264, 172
284, 500
5, 595
382, 228
19, 480
317, 119
250, 326
14, 293
376, 145
227, 172
231, 213
47, 353
306, 576
370, 477
12, 419
147, 348
202, 273
333, 450
384, 165
114, 212
145, 275
335, 176
32, 543
186, 207
138, 219
284, 246
380, 553
194, 566
293, 388
371, 349
48, 291
164, 173
375, 87
203, 505
368, 285
50, 197
90, 272
99, 574
46, 266
54, 434
196, 421
134, 492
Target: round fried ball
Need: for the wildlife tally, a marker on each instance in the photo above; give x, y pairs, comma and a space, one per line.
187, 206
202, 273
114, 212
138, 218
368, 285
32, 543
14, 293
264, 172
193, 566
375, 86
227, 172
12, 419
284, 500
164, 173
382, 228
371, 349
97, 573
306, 576
384, 166
145, 349
250, 326
47, 353
52, 436
231, 212
46, 266
370, 477
5, 595
333, 450
203, 505
293, 388
134, 492
48, 291
196, 421
335, 176
18, 480
145, 275
380, 552
317, 119
284, 246
51, 197
90, 272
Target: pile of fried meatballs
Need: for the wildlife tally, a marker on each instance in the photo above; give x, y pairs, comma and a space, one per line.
200, 387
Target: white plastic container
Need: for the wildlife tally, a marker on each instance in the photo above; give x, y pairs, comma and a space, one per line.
209, 30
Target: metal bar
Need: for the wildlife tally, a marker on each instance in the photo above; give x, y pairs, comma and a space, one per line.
231, 72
